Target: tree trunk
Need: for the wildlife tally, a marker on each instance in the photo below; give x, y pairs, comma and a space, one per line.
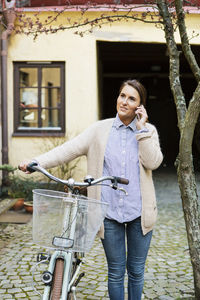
187, 118
187, 185
197, 135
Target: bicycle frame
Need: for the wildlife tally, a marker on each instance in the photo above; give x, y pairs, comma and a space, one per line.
68, 283
67, 256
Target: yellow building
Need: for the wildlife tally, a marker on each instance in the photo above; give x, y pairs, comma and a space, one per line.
58, 84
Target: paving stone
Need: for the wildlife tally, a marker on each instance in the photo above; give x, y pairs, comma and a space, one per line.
19, 285
14, 290
31, 294
8, 297
11, 273
27, 288
14, 279
99, 294
101, 288
165, 298
7, 286
3, 277
21, 295
4, 282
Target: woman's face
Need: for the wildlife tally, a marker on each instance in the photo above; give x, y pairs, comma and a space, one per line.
127, 103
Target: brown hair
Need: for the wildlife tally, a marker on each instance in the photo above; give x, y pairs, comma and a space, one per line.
139, 88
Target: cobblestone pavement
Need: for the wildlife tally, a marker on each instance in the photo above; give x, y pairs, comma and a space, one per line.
168, 270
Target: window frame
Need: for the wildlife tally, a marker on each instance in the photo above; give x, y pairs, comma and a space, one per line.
16, 98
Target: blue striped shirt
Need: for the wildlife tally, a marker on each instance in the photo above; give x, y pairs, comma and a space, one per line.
121, 159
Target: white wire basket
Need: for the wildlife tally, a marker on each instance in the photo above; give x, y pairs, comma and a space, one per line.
53, 217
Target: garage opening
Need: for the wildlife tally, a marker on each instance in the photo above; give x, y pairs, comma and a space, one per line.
149, 63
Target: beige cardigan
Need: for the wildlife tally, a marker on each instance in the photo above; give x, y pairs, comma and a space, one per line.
92, 143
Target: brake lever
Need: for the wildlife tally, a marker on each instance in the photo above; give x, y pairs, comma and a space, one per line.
123, 190
113, 186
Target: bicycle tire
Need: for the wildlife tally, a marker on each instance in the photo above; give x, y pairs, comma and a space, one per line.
56, 289
70, 296
73, 270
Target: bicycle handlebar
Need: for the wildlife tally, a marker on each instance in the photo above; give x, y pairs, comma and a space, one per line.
34, 166
122, 180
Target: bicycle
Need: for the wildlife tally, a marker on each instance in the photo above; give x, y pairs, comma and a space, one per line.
69, 218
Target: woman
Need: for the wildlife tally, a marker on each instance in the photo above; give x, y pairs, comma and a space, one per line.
126, 146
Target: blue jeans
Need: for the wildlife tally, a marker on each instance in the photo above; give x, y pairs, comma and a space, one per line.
115, 250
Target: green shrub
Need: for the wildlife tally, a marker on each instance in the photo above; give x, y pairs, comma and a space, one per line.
66, 170
20, 187
23, 187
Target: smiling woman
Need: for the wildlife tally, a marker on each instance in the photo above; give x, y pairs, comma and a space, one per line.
127, 104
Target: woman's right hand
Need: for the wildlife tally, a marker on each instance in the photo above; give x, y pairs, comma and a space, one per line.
23, 166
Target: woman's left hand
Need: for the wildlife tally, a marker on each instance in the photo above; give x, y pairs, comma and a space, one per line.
141, 115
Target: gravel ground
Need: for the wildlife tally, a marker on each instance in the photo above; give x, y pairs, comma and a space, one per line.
168, 270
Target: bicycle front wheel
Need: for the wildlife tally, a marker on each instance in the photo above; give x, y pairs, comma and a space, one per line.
56, 289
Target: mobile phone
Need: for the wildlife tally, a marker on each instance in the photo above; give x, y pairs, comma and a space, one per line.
138, 116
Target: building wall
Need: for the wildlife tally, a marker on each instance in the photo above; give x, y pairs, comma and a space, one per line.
79, 55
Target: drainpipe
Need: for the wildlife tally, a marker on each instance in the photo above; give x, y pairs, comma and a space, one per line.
9, 16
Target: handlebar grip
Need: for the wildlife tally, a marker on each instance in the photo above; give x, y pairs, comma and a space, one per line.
122, 180
31, 168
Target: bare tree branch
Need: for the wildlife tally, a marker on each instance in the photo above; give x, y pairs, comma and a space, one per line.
185, 41
104, 19
191, 118
174, 63
110, 13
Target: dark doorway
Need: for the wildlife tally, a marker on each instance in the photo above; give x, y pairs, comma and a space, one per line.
118, 61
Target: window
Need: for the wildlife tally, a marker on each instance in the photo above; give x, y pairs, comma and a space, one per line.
39, 98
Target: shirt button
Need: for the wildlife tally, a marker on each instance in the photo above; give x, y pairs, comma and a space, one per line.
123, 163
123, 152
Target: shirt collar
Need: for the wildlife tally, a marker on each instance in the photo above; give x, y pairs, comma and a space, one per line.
118, 123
